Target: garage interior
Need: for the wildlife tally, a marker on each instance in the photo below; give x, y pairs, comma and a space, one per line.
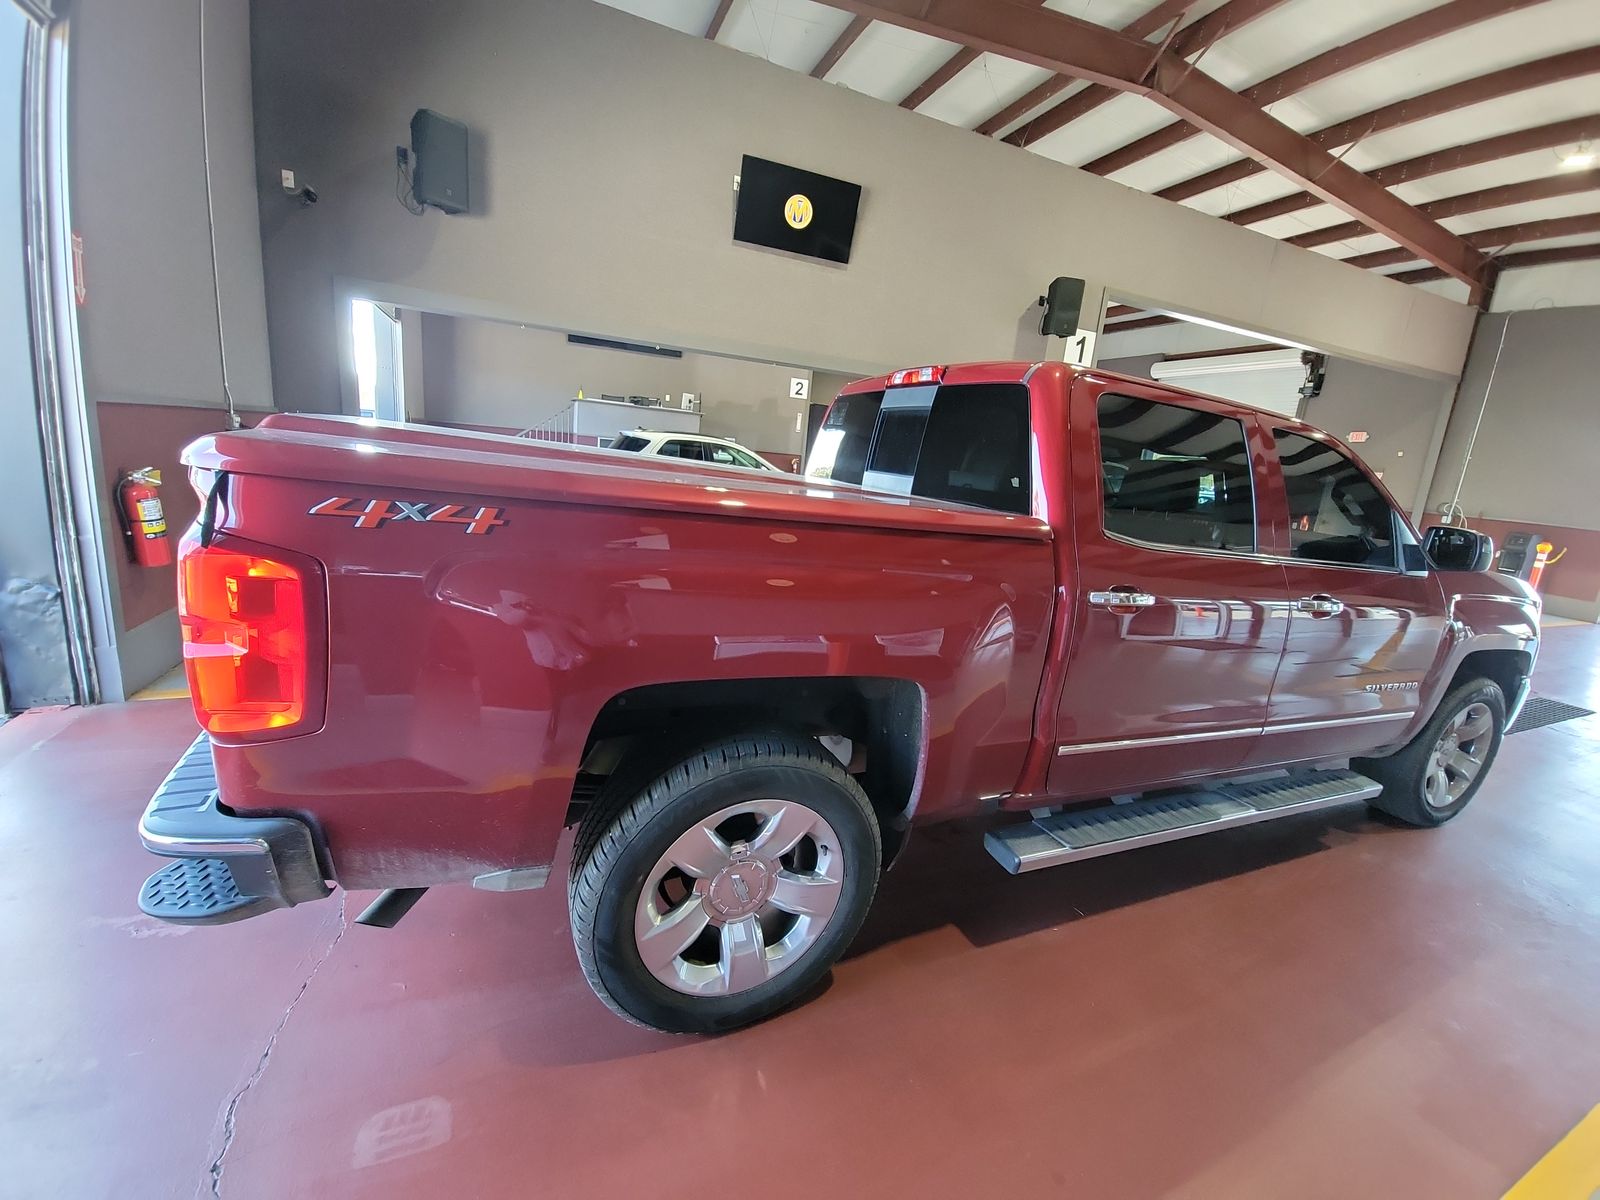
1381, 217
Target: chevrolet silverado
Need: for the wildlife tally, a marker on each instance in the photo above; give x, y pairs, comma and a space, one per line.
1119, 612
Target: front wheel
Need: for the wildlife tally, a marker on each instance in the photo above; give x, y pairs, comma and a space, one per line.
1441, 769
724, 889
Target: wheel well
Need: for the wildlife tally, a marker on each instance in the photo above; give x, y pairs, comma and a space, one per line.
882, 718
1508, 668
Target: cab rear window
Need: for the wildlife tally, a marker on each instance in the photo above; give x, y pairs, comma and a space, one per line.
964, 443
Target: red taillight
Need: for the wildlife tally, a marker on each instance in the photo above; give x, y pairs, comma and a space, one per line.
244, 639
916, 375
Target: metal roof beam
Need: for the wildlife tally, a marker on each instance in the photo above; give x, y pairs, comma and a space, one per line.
1510, 262
1568, 183
830, 56
717, 18
1191, 41
1468, 154
1069, 46
1169, 11
1402, 35
1572, 64
1141, 323
952, 66
1492, 239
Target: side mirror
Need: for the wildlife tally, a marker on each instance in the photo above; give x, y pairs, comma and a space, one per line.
1451, 548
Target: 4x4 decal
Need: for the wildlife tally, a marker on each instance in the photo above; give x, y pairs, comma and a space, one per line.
371, 514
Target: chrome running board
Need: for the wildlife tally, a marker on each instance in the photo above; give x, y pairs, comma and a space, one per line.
1111, 828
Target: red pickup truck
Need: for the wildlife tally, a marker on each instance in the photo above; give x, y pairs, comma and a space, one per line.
1122, 612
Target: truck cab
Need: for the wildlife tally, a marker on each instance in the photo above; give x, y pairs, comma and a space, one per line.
1238, 590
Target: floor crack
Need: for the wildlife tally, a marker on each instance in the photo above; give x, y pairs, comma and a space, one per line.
230, 1114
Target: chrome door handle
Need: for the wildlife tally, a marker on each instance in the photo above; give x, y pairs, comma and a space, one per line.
1320, 605
1122, 599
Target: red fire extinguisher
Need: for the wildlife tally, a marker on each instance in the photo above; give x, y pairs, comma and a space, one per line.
143, 521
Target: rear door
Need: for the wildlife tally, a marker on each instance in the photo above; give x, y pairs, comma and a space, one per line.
684, 449
1179, 616
1367, 616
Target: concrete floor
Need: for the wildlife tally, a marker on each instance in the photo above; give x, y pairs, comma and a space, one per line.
1330, 1006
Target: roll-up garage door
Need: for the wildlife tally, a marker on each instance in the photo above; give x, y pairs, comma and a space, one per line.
1267, 379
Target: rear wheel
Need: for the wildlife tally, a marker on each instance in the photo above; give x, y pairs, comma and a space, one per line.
1440, 770
722, 890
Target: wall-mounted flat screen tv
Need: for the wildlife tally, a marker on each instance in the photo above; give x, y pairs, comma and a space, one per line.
785, 208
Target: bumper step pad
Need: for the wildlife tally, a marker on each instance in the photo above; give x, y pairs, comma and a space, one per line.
1111, 828
198, 890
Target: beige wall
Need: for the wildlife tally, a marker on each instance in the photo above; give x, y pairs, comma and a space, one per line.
1402, 414
1535, 455
488, 373
825, 385
1533, 463
608, 146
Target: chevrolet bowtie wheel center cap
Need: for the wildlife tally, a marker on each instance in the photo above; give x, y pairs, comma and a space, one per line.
740, 888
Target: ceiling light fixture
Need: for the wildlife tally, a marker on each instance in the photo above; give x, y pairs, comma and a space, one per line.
1580, 158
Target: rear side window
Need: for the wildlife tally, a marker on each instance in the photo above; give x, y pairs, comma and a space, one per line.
689, 450
1336, 513
974, 449
629, 442
840, 451
1175, 476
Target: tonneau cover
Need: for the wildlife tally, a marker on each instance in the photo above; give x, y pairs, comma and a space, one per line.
380, 459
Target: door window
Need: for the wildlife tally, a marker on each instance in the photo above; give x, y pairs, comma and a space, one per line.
1336, 513
1175, 476
688, 450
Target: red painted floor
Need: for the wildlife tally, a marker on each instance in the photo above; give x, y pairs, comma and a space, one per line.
1324, 1007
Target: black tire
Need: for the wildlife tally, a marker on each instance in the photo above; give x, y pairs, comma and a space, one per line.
1405, 773
636, 819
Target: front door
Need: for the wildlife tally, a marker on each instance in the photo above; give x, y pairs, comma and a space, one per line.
1179, 619
1367, 617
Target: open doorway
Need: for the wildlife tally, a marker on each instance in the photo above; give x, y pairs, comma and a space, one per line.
376, 337
434, 367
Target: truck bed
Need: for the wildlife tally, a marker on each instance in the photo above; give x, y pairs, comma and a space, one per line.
482, 601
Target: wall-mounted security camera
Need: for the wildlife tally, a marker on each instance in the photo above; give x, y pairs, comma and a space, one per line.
1316, 366
305, 193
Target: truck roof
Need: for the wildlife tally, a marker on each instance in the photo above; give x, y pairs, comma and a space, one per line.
1016, 371
683, 433
393, 460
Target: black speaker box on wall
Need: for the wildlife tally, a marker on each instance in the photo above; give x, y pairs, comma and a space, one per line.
1062, 307
439, 162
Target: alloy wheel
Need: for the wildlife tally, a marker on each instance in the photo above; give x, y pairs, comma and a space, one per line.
1458, 756
739, 897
